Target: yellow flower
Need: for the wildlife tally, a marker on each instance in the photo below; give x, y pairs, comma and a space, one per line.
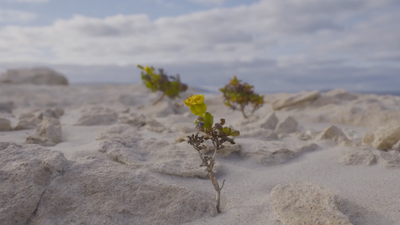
148, 70
196, 104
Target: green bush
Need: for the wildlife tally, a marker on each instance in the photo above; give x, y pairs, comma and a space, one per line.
238, 96
169, 85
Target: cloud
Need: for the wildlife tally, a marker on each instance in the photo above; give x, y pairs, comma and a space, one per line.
29, 1
278, 43
208, 2
11, 16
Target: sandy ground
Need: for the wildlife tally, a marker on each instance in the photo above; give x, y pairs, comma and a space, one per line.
364, 180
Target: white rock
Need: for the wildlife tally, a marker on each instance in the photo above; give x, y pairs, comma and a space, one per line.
287, 126
32, 118
386, 137
97, 116
306, 203
295, 99
390, 158
5, 124
39, 76
334, 133
25, 173
263, 134
269, 122
42, 187
48, 133
357, 156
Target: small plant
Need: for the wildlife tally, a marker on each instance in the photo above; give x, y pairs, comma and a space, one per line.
169, 85
238, 95
217, 133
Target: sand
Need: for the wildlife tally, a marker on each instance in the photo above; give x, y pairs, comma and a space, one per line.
325, 171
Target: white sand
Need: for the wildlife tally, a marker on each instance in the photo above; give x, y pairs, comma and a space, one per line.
366, 194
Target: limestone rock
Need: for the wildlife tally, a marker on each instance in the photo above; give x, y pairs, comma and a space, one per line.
368, 138
386, 137
5, 124
306, 203
48, 133
245, 121
6, 107
162, 109
354, 156
32, 118
334, 133
295, 99
25, 173
38, 76
287, 126
97, 116
269, 122
223, 152
390, 158
40, 186
269, 154
156, 155
133, 119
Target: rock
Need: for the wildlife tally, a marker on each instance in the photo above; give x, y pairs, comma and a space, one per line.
390, 158
6, 107
5, 124
40, 186
48, 133
269, 154
161, 109
156, 155
333, 133
368, 138
305, 135
295, 99
25, 173
386, 137
38, 76
97, 116
269, 122
356, 156
133, 119
32, 118
306, 203
287, 126
28, 121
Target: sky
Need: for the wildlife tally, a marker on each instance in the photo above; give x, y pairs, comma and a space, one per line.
275, 45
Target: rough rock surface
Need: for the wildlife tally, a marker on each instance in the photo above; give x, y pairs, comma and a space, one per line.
386, 137
42, 187
158, 156
97, 116
32, 118
334, 133
360, 156
269, 122
25, 173
287, 126
39, 76
103, 192
263, 134
48, 133
263, 154
306, 203
390, 158
5, 124
295, 99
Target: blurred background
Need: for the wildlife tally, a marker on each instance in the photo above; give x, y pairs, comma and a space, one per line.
276, 45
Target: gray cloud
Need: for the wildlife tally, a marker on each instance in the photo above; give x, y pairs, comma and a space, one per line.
287, 45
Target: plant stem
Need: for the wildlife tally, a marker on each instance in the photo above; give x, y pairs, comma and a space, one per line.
159, 99
242, 109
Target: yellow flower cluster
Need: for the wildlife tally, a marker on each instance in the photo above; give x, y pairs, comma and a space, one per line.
196, 104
